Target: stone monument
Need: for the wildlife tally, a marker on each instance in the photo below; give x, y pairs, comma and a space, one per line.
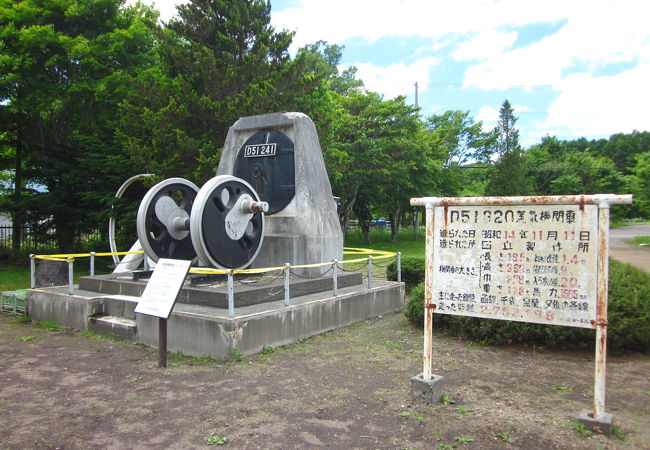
279, 155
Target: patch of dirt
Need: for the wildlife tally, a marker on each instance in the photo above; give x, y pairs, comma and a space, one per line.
345, 389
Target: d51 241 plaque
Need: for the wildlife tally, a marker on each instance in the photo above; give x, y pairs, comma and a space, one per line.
524, 263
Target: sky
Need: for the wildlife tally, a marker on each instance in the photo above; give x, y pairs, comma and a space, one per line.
570, 68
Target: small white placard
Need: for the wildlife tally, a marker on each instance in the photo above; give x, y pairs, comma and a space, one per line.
160, 295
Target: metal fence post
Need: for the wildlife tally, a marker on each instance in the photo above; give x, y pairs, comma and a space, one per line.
335, 277
369, 271
287, 277
399, 266
70, 275
92, 263
32, 271
231, 294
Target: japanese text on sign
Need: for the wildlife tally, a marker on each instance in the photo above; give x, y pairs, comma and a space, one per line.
160, 294
523, 263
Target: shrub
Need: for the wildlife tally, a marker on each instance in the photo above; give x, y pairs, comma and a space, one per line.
412, 271
628, 316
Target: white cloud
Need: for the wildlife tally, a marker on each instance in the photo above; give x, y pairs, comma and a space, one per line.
489, 116
337, 20
611, 32
601, 106
484, 45
396, 79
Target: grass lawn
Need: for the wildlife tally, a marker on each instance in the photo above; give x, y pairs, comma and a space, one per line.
381, 241
640, 240
13, 277
627, 223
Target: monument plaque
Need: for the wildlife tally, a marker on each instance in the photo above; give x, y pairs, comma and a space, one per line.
160, 295
523, 263
540, 259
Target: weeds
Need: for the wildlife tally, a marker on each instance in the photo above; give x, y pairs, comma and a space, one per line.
101, 337
446, 400
236, 354
464, 411
459, 440
563, 388
505, 436
580, 428
25, 338
213, 438
21, 319
618, 432
267, 350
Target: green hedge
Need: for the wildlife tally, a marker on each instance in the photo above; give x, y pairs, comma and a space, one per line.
412, 271
628, 316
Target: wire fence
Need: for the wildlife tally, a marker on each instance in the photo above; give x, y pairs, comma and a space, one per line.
36, 238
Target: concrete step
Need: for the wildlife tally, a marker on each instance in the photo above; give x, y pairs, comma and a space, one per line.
113, 326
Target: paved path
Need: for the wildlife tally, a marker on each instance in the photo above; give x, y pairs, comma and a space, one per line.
627, 253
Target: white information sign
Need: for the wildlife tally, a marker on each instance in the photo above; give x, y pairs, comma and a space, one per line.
160, 294
524, 263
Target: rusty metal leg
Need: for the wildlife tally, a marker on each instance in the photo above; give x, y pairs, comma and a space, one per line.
428, 295
601, 311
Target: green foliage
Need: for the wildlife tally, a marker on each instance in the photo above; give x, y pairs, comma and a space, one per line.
412, 271
267, 350
50, 326
580, 428
13, 277
505, 436
25, 338
65, 66
640, 240
214, 438
563, 388
414, 309
236, 354
628, 316
446, 400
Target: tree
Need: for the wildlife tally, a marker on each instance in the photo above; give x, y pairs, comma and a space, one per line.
219, 60
460, 138
64, 66
380, 156
509, 176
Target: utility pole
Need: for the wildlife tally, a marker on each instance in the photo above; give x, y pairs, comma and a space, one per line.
416, 94
416, 223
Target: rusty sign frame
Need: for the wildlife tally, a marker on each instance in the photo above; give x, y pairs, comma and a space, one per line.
603, 201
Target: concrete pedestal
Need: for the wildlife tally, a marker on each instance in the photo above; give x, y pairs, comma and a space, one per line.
427, 391
602, 425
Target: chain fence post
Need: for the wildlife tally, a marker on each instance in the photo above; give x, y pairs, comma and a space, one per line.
92, 264
32, 271
369, 271
399, 266
335, 277
70, 276
231, 293
287, 277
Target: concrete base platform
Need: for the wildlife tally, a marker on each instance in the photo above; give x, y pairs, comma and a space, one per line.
602, 425
247, 291
427, 391
200, 330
